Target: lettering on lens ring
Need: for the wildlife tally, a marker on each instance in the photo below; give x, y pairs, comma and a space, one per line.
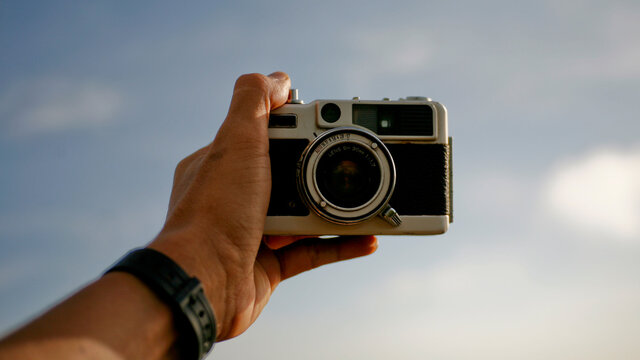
356, 149
331, 140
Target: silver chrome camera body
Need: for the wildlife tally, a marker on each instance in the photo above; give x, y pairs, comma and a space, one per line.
356, 167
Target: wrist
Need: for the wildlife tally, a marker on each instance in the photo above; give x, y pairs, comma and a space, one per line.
201, 261
193, 317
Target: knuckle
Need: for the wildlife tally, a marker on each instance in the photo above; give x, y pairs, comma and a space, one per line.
253, 81
186, 162
182, 165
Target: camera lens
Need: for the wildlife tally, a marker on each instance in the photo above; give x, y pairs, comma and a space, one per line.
330, 112
348, 175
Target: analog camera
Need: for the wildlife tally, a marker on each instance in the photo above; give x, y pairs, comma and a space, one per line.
357, 167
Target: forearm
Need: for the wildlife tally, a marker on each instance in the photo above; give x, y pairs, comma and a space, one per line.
213, 232
116, 317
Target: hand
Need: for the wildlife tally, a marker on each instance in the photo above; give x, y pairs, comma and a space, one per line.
217, 212
214, 231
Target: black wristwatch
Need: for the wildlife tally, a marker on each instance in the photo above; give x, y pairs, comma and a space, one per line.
193, 315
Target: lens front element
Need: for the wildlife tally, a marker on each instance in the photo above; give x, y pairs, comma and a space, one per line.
346, 175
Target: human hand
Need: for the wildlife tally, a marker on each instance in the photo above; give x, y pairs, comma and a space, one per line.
217, 212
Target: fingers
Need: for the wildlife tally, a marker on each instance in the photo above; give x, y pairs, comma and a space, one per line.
276, 242
309, 254
280, 92
254, 95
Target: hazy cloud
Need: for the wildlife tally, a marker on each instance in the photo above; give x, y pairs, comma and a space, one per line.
620, 55
513, 279
598, 191
483, 306
13, 270
473, 305
56, 105
388, 51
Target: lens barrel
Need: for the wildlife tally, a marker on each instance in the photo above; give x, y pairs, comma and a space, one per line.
346, 175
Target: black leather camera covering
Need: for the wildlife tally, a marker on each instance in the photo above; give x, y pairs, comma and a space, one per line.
422, 178
285, 200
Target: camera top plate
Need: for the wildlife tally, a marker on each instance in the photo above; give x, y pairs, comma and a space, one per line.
412, 119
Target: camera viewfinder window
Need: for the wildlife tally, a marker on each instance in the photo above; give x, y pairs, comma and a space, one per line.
395, 119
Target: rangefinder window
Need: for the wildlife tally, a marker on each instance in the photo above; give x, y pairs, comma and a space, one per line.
395, 119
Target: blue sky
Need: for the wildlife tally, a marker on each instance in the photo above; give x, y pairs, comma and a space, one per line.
99, 101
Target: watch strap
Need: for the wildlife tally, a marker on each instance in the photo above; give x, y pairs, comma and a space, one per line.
193, 315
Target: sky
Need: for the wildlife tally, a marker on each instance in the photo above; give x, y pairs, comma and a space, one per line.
99, 101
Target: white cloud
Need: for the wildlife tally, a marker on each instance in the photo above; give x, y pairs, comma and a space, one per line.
56, 105
483, 306
475, 305
597, 192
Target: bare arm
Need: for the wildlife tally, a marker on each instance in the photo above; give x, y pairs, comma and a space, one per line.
214, 231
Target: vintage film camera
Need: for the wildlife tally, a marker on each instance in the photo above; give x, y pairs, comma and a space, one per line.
356, 167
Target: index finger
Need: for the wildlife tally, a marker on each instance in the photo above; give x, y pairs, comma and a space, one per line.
254, 95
